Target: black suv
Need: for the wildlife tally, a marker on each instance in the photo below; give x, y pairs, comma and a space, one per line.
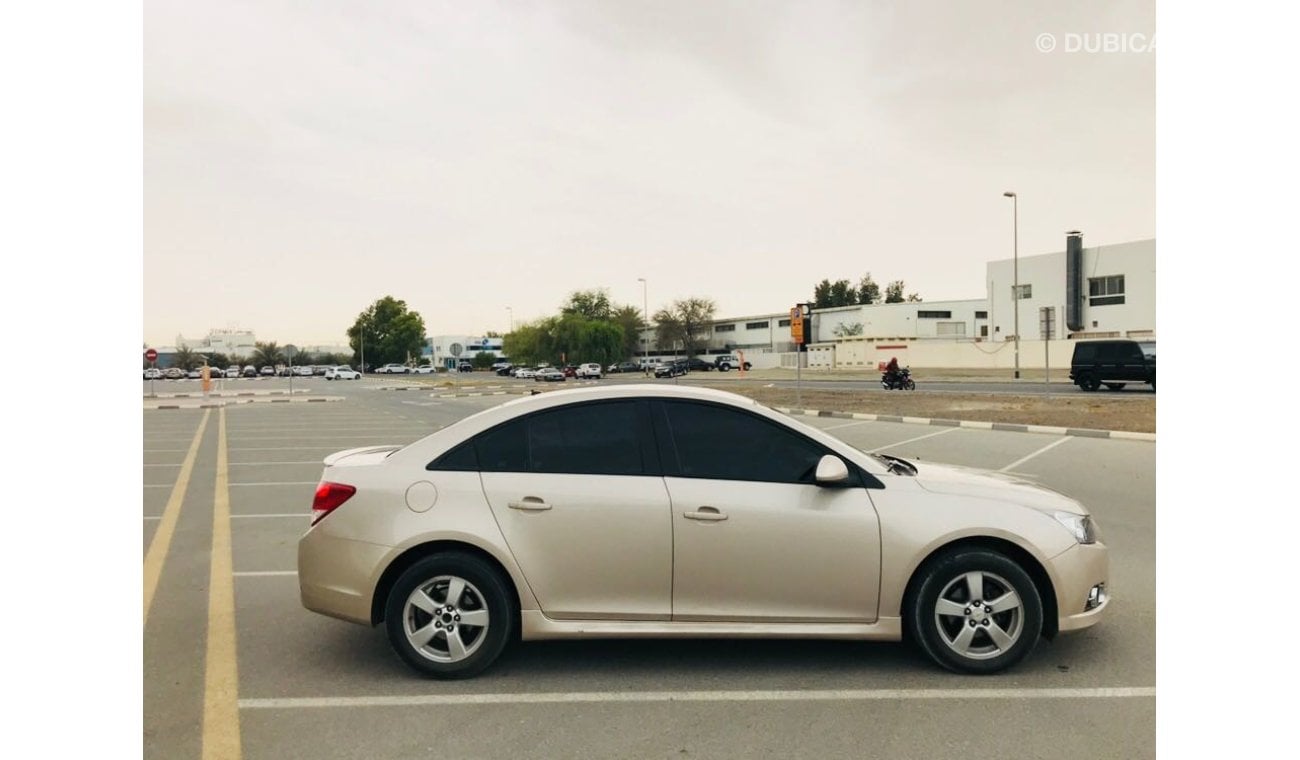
696, 364
1113, 363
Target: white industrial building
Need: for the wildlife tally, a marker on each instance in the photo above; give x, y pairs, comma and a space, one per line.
1103, 291
447, 350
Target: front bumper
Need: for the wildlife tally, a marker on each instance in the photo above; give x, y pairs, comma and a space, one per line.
1079, 570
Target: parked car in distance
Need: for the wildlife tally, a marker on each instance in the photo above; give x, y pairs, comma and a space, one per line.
624, 367
669, 369
505, 370
153, 373
341, 373
174, 373
464, 366
570, 370
1113, 363
696, 364
549, 375
250, 371
498, 366
425, 369
589, 371
775, 529
268, 371
728, 362
525, 373
232, 372
393, 369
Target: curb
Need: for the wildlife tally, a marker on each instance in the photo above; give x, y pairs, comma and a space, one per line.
483, 393
224, 394
219, 404
1007, 426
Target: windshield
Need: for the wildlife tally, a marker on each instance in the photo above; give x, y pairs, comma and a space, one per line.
1148, 349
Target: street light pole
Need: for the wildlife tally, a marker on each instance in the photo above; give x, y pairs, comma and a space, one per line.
1015, 270
363, 347
645, 304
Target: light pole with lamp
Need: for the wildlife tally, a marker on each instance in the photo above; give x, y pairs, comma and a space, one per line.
362, 335
1015, 270
645, 304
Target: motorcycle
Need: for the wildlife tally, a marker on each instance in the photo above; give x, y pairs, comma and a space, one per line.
902, 381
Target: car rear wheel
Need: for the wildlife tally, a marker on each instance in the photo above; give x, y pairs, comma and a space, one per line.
975, 611
449, 615
1089, 383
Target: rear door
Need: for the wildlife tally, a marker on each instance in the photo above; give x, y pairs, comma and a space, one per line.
580, 500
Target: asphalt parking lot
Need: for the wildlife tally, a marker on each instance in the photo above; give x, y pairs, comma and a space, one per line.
234, 663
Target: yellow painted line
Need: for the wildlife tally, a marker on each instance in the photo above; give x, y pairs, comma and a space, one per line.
221, 679
162, 537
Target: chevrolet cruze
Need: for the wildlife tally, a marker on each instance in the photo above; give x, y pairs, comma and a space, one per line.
647, 511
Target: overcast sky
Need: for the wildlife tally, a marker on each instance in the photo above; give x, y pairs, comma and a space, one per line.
303, 159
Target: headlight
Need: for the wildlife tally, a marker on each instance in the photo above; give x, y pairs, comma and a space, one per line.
1080, 526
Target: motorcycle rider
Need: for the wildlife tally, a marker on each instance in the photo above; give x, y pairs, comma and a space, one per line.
891, 370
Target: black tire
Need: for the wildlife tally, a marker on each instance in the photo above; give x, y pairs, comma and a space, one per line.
1115, 386
909, 384
1089, 383
724, 367
497, 601
945, 574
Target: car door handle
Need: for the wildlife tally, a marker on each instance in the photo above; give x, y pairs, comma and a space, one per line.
530, 504
707, 514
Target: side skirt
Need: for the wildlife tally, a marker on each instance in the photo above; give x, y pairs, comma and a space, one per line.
534, 626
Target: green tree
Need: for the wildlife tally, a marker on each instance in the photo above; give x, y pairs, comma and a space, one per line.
868, 290
185, 359
389, 331
267, 354
484, 360
592, 304
530, 343
685, 323
894, 292
631, 320
913, 298
822, 295
218, 360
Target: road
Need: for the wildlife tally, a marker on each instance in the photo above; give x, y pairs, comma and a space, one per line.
276, 681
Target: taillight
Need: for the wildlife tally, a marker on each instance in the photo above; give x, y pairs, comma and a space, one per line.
328, 498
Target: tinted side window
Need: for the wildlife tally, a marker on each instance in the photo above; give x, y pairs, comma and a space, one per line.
463, 458
591, 439
504, 448
728, 444
1084, 352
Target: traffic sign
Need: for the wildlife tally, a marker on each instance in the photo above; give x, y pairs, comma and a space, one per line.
151, 355
796, 325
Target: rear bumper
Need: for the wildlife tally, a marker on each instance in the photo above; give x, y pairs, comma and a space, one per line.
337, 576
1078, 571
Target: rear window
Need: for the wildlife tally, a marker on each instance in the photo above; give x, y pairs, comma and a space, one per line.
1085, 352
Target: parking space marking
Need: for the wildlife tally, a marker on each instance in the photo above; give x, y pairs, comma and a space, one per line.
162, 537
279, 483
785, 695
166, 464
157, 485
302, 515
285, 448
845, 424
264, 573
913, 440
1030, 456
221, 677
269, 464
153, 517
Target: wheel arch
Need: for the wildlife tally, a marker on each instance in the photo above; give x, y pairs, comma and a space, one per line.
1031, 565
418, 552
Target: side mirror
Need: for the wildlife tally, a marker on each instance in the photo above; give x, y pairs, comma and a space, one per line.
831, 469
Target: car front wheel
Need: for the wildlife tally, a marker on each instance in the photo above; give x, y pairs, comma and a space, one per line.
449, 616
975, 611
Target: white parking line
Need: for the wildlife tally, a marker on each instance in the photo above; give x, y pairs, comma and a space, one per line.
279, 483
287, 448
300, 515
264, 573
266, 464
849, 695
167, 464
911, 440
153, 517
1045, 449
